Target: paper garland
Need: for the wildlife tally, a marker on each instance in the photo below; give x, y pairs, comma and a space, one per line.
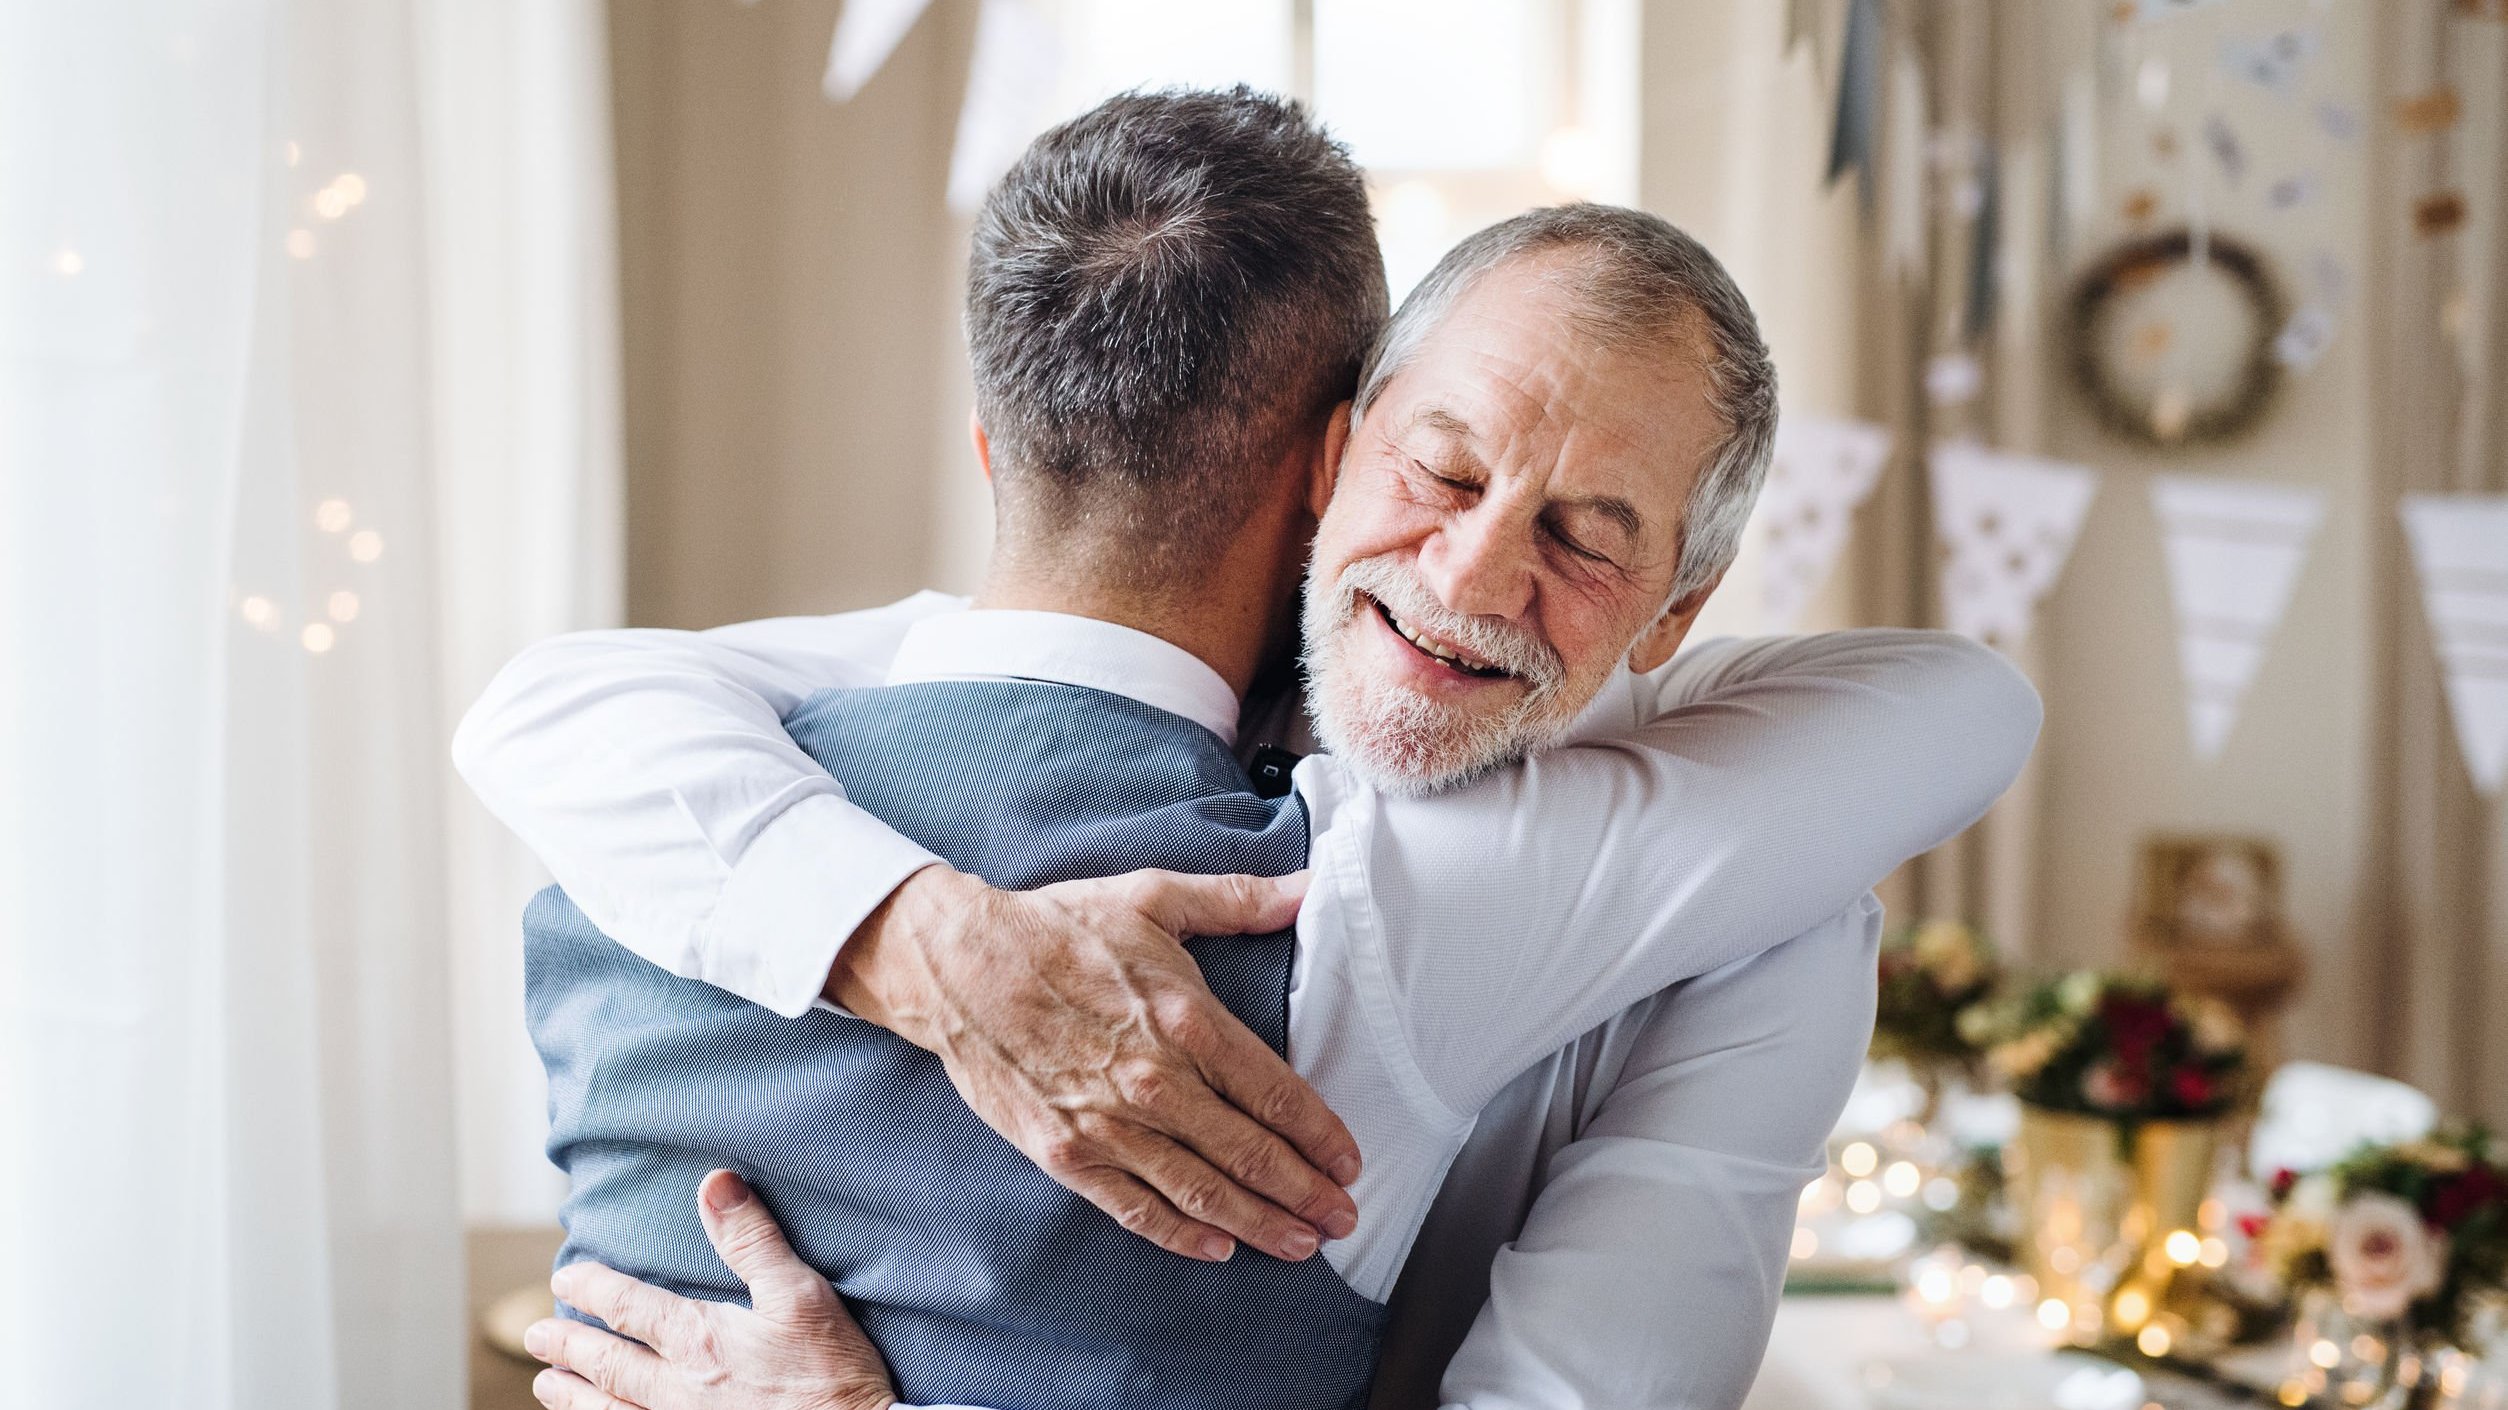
1011, 80
2273, 62
1010, 87
867, 32
2006, 524
1811, 22
1823, 470
2234, 550
2460, 546
1851, 134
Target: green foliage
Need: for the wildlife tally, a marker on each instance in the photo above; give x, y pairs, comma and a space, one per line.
2114, 1046
1930, 975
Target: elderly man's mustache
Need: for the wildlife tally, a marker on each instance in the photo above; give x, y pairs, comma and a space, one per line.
1505, 647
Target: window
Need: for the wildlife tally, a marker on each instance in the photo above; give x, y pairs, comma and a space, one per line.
1462, 111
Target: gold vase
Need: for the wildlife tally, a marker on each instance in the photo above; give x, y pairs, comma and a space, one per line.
2097, 1201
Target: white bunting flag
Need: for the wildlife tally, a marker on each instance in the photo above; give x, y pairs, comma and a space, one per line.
2460, 544
867, 32
1010, 90
2006, 523
2234, 549
1823, 469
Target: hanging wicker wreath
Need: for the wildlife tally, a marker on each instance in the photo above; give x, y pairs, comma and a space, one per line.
2154, 420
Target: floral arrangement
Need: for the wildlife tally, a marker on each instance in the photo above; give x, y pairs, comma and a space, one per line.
2113, 1046
1930, 975
2416, 1232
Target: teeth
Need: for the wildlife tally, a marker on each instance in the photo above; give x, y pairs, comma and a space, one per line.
1430, 647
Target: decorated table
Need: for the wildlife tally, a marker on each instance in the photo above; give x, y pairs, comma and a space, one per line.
2076, 1194
1862, 1351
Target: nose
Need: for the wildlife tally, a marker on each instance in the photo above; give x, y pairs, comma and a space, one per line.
1480, 564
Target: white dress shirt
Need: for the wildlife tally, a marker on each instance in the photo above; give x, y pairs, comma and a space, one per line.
1747, 793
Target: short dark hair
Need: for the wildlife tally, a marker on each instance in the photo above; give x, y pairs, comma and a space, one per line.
1164, 292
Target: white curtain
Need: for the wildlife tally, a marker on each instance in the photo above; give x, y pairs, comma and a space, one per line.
235, 558
523, 276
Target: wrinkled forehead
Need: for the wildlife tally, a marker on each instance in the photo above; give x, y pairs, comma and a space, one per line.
1518, 372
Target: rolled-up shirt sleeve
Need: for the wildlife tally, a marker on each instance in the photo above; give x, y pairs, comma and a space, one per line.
651, 772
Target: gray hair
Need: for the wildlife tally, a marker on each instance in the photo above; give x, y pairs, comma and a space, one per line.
1164, 293
1642, 282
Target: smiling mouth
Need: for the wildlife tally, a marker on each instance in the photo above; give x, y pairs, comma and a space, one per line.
1442, 655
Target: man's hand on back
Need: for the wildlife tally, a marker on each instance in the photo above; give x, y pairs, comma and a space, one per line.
795, 1347
1074, 1022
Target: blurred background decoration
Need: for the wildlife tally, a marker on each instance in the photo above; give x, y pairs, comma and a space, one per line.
2160, 343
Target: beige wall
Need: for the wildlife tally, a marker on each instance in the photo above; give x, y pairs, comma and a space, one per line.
1733, 137
790, 268
2116, 757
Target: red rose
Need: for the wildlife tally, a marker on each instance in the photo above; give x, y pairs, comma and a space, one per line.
2283, 1179
2253, 1225
2452, 1200
2191, 1088
2135, 1024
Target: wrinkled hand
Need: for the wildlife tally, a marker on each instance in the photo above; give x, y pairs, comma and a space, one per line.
1073, 1021
796, 1349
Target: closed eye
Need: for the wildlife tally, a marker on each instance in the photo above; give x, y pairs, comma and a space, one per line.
1459, 486
1567, 541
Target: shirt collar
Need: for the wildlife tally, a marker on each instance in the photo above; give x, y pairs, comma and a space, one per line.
981, 644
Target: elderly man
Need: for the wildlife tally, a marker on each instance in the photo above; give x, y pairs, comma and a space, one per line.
1543, 473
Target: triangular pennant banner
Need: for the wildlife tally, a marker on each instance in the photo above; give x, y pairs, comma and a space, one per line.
1851, 134
1813, 22
2005, 523
2234, 549
867, 32
1822, 470
1010, 89
2460, 544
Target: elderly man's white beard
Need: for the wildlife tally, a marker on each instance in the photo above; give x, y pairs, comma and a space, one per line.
1399, 740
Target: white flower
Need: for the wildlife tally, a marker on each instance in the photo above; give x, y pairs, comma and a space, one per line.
2383, 1256
2079, 991
1946, 951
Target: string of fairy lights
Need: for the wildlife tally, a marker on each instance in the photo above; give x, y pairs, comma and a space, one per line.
334, 519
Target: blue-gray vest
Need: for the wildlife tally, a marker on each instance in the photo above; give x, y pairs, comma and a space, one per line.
982, 1281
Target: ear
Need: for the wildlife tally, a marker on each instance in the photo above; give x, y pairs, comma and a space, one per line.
1655, 645
1326, 471
983, 446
